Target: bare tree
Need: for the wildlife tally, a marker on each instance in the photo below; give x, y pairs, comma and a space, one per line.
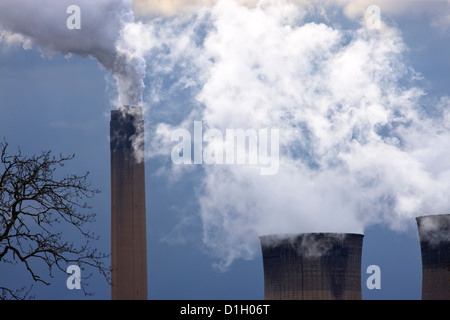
35, 208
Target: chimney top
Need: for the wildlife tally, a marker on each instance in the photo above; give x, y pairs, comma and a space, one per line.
126, 126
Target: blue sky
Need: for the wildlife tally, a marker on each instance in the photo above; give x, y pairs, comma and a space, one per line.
362, 116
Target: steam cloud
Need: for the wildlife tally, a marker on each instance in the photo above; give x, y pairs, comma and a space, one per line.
358, 145
435, 229
106, 34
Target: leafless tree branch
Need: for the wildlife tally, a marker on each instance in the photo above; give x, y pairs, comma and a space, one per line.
34, 205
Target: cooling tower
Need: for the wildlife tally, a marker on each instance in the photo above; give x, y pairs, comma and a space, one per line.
434, 236
312, 266
128, 225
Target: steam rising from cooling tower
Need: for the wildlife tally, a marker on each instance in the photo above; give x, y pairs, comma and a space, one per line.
434, 235
312, 266
358, 146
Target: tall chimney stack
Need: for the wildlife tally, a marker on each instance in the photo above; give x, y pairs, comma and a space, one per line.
434, 236
312, 266
128, 223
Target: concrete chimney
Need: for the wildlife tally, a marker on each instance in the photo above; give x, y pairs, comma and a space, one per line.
312, 266
434, 236
128, 223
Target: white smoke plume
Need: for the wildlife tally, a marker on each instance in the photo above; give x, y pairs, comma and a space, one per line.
106, 34
357, 144
308, 244
434, 229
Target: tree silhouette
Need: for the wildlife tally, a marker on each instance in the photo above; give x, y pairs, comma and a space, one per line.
35, 208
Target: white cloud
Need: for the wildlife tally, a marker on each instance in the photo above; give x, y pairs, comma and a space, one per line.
13, 39
353, 9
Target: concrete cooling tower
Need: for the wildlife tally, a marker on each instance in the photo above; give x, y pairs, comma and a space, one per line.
312, 266
128, 223
434, 236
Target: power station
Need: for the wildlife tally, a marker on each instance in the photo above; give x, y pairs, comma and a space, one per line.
312, 266
304, 266
128, 222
